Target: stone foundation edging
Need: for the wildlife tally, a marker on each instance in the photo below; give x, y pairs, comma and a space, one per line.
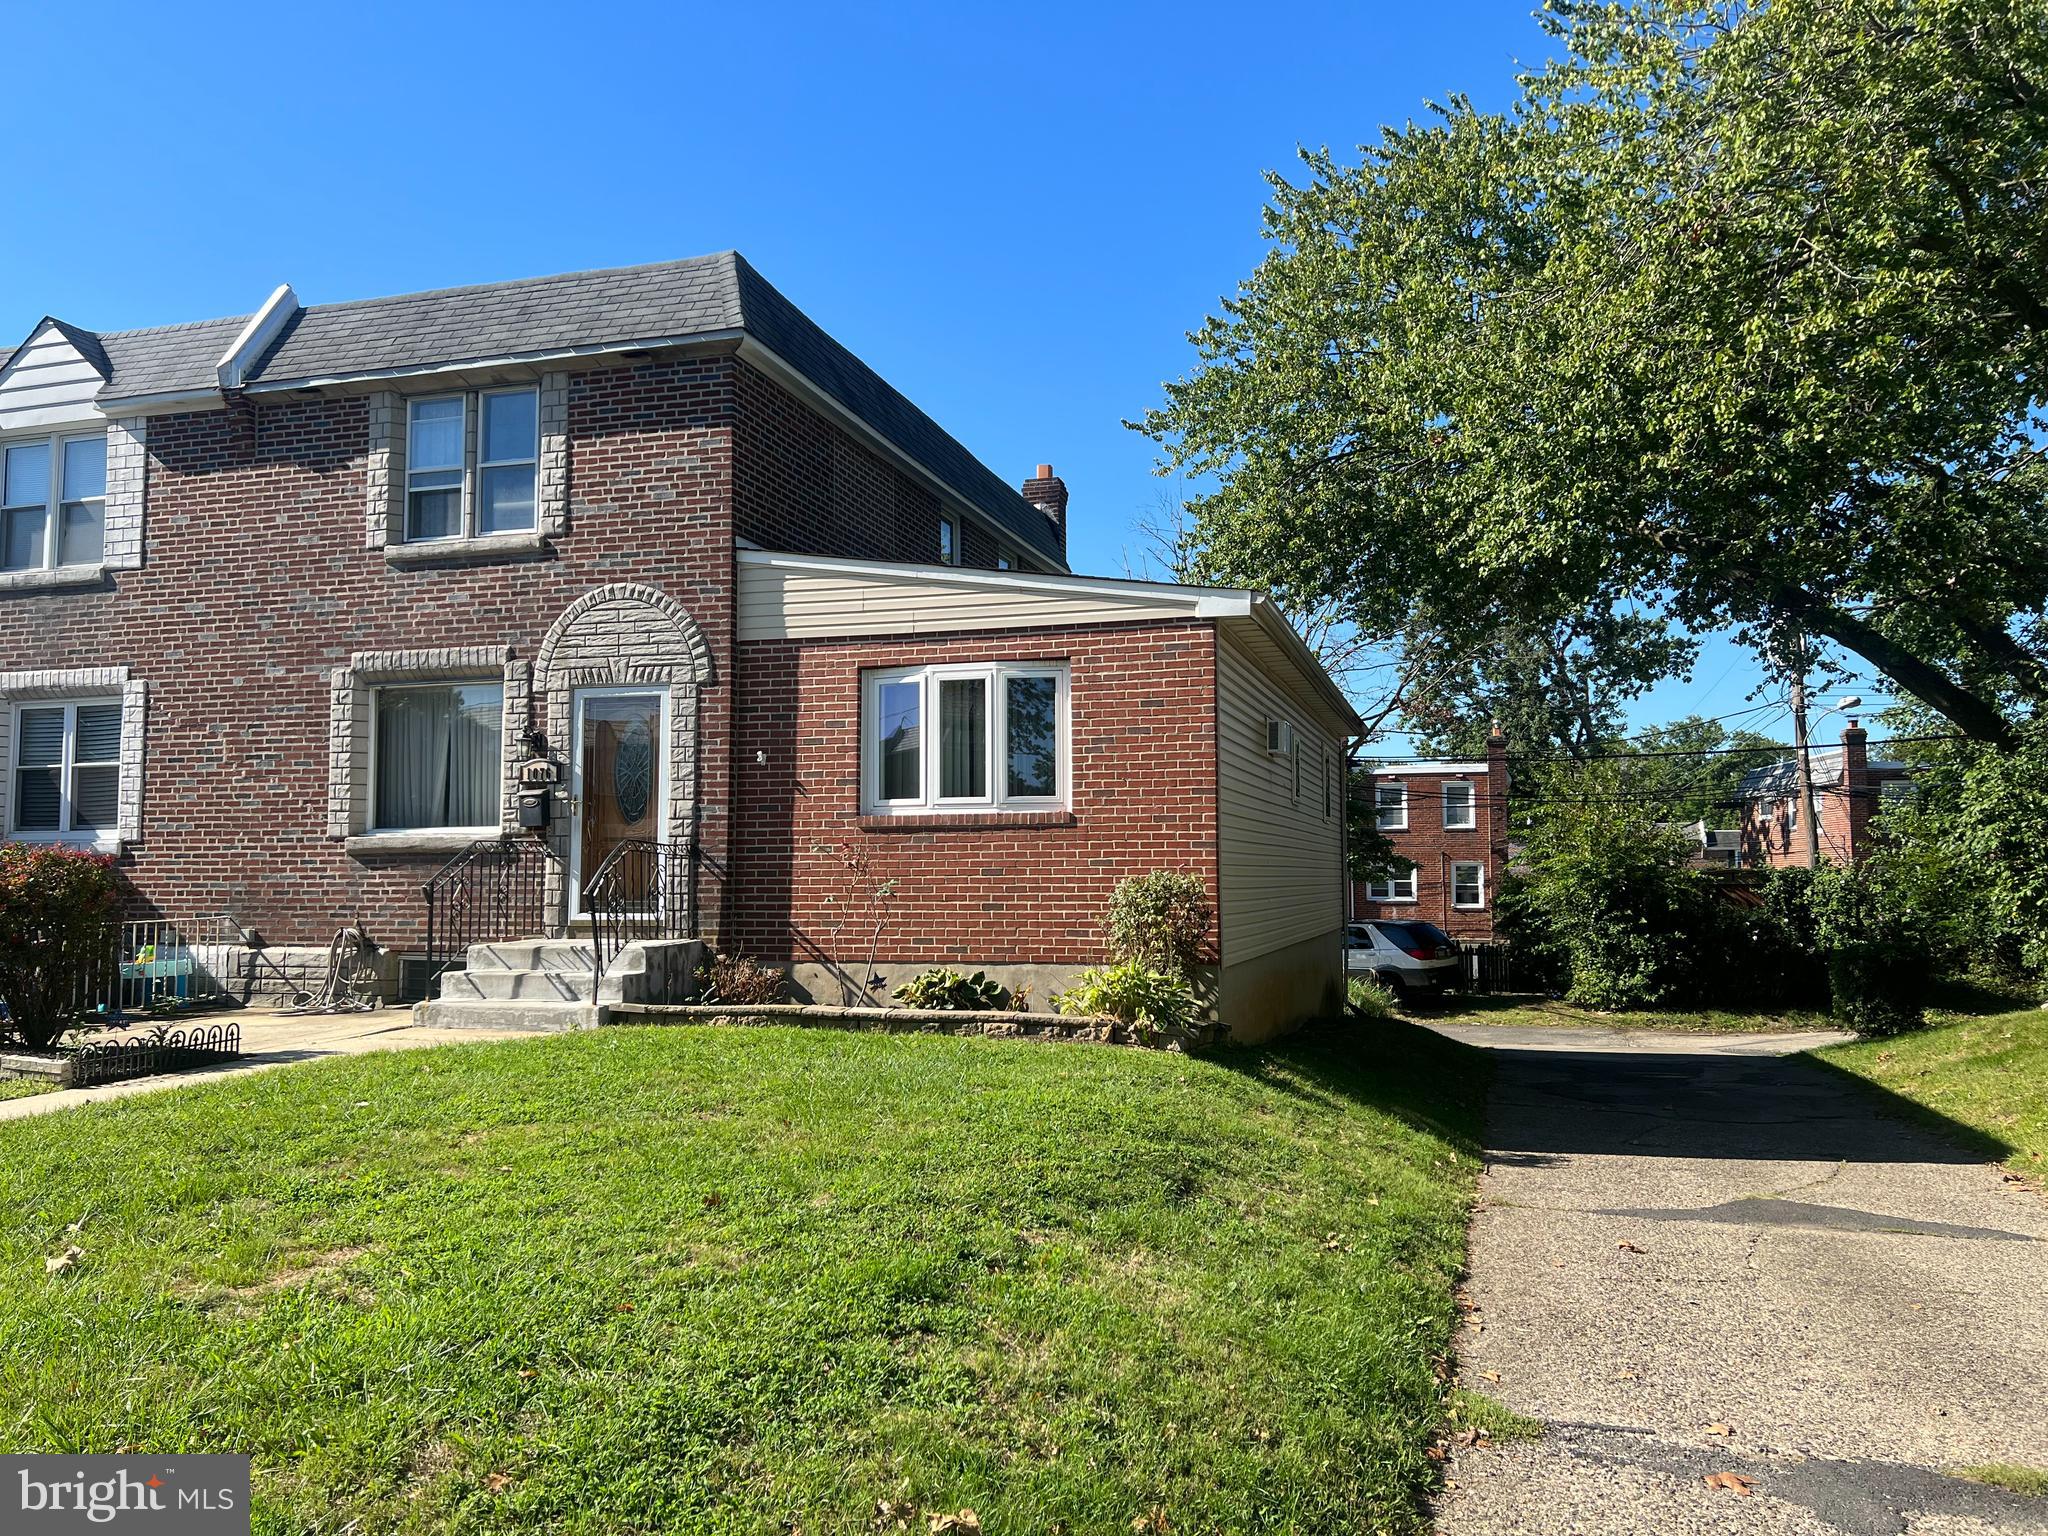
905, 1021
56, 1069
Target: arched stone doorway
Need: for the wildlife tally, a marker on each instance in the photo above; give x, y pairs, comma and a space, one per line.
618, 678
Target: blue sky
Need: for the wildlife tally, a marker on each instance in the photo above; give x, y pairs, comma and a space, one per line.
1014, 217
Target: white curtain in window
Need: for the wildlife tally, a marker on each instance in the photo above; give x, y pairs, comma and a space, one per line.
438, 756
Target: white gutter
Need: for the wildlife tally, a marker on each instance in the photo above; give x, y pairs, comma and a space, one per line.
258, 334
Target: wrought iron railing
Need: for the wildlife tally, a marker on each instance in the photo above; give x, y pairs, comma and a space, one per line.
492, 891
643, 890
156, 966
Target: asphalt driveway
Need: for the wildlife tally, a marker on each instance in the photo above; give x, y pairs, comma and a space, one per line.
1696, 1255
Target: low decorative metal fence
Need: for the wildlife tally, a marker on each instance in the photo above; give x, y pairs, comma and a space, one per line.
161, 1050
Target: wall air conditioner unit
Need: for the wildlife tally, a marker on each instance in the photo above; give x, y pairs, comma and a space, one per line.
1279, 738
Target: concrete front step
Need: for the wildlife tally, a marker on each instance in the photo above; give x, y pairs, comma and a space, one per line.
531, 987
547, 1018
571, 956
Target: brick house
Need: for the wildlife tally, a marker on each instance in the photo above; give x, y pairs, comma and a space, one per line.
304, 611
1848, 789
1449, 820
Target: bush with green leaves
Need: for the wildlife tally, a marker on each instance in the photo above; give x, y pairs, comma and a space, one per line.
1611, 895
741, 980
57, 910
948, 989
1160, 920
1150, 1001
1874, 945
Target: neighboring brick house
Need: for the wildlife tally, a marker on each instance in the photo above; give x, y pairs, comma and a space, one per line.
302, 608
1450, 821
1848, 789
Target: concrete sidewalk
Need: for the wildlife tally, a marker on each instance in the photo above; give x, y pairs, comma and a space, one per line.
272, 1040
1696, 1255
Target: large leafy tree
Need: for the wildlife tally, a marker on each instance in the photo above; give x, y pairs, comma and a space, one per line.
1739, 312
1554, 689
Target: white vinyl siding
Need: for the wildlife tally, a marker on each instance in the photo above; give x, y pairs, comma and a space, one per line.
47, 384
1280, 856
792, 603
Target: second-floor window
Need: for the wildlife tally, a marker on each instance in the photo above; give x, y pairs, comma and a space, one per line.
1390, 807
1458, 804
463, 484
949, 541
53, 494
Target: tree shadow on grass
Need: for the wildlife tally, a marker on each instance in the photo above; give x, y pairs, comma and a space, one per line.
1413, 1075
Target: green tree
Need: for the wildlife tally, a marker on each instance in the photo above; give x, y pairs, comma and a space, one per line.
1737, 314
1555, 689
1688, 770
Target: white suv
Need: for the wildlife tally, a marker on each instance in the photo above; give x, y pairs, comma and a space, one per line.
1405, 957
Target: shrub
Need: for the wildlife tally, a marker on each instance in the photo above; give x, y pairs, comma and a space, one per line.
56, 905
1610, 894
1876, 953
941, 988
1146, 999
1159, 921
1368, 999
739, 979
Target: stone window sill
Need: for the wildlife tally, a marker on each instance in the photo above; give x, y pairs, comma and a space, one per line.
966, 821
434, 841
110, 844
51, 581
488, 547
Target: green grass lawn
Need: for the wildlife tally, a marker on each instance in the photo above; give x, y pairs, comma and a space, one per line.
24, 1087
1989, 1074
1549, 1013
641, 1280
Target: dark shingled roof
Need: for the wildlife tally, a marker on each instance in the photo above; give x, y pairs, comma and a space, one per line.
576, 311
167, 359
1774, 781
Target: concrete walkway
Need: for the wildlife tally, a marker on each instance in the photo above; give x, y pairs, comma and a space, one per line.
271, 1040
1696, 1255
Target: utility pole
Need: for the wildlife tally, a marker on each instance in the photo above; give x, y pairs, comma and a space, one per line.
1809, 829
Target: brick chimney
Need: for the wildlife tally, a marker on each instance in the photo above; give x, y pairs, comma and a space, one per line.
1856, 797
1048, 492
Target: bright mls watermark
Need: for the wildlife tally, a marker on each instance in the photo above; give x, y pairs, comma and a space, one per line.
162, 1495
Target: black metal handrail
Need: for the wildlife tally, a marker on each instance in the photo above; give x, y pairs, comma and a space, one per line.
642, 890
492, 891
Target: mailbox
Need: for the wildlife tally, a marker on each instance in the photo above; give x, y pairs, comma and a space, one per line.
533, 810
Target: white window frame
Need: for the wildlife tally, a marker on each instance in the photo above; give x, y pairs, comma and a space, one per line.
1379, 810
1478, 880
1397, 890
53, 499
95, 837
949, 540
472, 466
1471, 803
994, 676
374, 827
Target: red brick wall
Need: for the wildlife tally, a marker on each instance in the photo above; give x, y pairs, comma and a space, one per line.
1434, 848
803, 484
976, 891
257, 586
